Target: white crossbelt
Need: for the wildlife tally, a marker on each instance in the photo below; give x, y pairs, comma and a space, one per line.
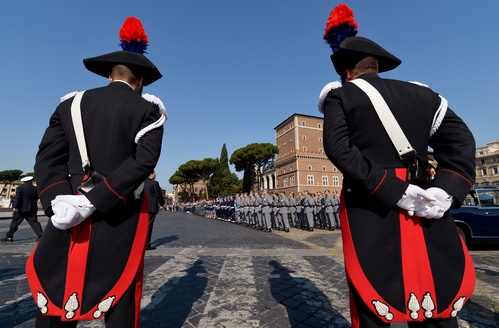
391, 125
78, 127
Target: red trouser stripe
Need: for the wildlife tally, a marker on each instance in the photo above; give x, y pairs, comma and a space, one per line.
418, 277
77, 263
133, 272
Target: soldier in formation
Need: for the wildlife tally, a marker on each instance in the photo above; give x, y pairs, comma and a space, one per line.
276, 211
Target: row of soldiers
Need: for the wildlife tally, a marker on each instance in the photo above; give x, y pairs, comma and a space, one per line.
276, 210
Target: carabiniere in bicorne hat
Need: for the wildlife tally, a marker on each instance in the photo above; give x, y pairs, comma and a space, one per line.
134, 42
348, 49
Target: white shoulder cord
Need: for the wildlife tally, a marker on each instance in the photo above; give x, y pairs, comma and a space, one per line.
80, 135
391, 125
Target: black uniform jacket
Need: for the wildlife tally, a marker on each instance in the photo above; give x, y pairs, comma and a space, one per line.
154, 195
81, 272
26, 199
404, 268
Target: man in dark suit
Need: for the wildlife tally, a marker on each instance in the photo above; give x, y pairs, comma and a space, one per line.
25, 207
404, 259
89, 263
156, 203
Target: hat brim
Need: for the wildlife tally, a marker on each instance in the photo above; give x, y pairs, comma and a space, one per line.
138, 63
353, 49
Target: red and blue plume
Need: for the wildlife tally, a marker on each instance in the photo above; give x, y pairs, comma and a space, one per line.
340, 25
133, 37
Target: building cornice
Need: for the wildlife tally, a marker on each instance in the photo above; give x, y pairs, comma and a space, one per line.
292, 117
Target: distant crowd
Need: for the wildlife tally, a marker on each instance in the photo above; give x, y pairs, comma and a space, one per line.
269, 211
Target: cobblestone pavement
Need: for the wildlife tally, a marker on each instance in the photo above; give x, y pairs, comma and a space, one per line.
210, 273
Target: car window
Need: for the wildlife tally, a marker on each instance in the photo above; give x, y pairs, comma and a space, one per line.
488, 197
469, 201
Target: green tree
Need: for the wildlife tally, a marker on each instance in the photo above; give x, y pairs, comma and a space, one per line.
7, 177
178, 180
223, 182
224, 159
200, 170
252, 159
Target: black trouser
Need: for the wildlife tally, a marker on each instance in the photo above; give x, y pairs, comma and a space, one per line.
152, 217
17, 218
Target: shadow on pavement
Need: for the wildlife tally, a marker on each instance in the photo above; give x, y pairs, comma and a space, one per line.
306, 305
473, 309
172, 302
10, 273
164, 240
18, 312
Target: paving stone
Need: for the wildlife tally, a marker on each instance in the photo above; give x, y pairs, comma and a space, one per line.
210, 273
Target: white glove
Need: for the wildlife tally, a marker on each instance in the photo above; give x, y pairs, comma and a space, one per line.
444, 202
429, 212
442, 196
75, 200
70, 210
415, 199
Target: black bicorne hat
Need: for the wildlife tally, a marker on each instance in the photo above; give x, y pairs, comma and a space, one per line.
138, 63
348, 49
134, 42
353, 49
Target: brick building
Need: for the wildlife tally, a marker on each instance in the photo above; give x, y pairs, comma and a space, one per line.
487, 164
301, 163
183, 193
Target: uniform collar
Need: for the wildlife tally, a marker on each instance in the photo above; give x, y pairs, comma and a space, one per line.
121, 81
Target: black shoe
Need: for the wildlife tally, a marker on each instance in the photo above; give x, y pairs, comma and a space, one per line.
286, 230
8, 239
150, 248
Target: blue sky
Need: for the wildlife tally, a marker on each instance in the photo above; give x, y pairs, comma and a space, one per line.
233, 70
